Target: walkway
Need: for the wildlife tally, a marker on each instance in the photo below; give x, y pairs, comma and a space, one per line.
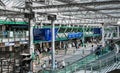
71, 56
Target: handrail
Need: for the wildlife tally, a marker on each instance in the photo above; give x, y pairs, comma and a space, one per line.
82, 59
91, 53
103, 62
111, 58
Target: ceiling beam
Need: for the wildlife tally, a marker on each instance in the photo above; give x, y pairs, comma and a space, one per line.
77, 4
106, 18
1, 3
88, 14
78, 10
112, 12
7, 14
72, 22
95, 10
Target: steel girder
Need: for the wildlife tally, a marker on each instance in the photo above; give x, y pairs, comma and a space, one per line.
96, 9
83, 5
1, 3
12, 14
111, 19
87, 16
105, 18
77, 4
66, 1
12, 10
9, 13
85, 9
102, 17
87, 21
75, 10
65, 21
76, 13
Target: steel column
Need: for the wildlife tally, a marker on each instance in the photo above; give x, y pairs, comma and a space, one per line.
118, 32
53, 45
103, 35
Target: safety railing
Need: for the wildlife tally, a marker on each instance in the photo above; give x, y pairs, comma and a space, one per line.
104, 65
82, 63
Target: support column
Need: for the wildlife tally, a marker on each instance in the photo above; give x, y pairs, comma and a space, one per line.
103, 35
53, 45
41, 24
30, 16
31, 45
85, 69
91, 68
31, 37
40, 44
118, 32
60, 44
83, 40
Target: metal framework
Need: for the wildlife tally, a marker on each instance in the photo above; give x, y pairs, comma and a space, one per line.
67, 11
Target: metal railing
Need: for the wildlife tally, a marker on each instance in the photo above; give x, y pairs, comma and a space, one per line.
104, 65
83, 63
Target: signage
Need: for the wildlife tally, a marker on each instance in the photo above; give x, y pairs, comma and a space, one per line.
97, 31
27, 33
39, 34
23, 42
43, 34
9, 43
11, 34
74, 35
48, 34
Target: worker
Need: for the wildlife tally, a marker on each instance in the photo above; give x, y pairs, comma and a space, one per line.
63, 64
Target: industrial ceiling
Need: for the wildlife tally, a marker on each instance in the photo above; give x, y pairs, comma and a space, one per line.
73, 12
